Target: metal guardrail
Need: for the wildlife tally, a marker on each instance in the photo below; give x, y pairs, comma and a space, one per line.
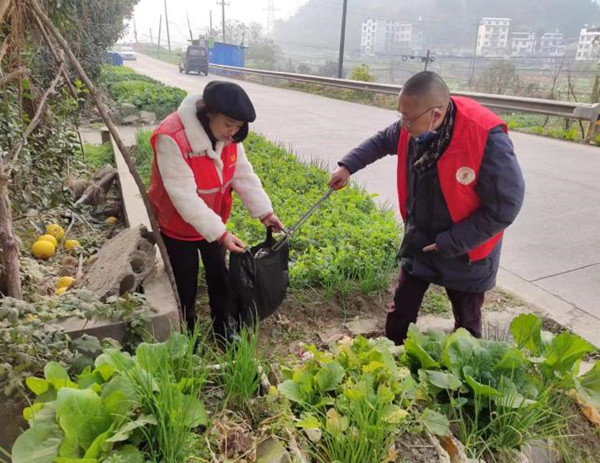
568, 109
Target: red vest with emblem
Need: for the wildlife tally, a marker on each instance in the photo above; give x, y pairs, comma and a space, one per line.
215, 191
458, 168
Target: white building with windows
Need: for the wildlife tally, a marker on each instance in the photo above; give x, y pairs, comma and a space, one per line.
386, 36
528, 43
588, 48
492, 36
551, 44
522, 43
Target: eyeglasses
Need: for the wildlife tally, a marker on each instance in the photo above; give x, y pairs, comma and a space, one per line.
406, 122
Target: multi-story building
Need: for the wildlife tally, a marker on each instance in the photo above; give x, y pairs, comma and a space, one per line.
588, 48
522, 43
492, 36
373, 38
418, 36
403, 35
386, 36
528, 43
551, 44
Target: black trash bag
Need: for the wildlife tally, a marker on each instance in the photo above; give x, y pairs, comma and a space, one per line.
259, 279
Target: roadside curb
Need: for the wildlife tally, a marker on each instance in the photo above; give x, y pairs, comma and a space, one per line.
562, 312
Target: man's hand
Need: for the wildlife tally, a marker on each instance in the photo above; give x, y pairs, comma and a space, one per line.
272, 221
233, 243
339, 178
431, 248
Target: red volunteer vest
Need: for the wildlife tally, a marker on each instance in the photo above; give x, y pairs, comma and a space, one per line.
458, 168
213, 190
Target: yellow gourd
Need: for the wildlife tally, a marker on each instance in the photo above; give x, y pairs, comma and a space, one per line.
65, 282
71, 244
55, 230
50, 238
43, 249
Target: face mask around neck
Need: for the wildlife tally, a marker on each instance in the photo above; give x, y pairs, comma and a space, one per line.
426, 136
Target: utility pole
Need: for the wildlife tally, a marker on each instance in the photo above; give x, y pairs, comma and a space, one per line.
135, 30
189, 27
223, 5
159, 29
167, 24
151, 39
472, 70
211, 28
428, 59
342, 41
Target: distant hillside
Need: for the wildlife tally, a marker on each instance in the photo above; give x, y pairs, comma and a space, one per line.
450, 23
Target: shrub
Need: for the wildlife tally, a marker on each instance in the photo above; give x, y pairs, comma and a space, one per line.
348, 239
156, 97
111, 74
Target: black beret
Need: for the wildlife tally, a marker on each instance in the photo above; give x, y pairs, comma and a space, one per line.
229, 99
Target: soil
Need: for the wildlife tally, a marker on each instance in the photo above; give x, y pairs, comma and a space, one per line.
416, 448
584, 444
310, 317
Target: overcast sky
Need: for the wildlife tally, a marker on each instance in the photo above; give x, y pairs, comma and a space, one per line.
147, 14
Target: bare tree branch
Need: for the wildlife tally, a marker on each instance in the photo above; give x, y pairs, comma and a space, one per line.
11, 159
59, 58
13, 75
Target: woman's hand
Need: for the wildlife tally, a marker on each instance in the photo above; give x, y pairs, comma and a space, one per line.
232, 243
273, 222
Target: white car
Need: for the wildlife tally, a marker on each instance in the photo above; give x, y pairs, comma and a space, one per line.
127, 53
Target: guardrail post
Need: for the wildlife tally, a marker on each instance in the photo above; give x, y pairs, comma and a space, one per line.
593, 125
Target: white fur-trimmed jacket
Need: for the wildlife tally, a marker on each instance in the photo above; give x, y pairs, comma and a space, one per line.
178, 178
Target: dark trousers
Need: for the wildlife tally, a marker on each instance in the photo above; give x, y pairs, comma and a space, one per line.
407, 302
185, 262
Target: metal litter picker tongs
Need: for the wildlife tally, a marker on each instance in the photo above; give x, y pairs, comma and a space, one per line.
290, 232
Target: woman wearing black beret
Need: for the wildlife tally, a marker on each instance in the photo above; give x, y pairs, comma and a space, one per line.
199, 160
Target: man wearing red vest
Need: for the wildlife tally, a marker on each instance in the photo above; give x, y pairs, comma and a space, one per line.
199, 160
459, 187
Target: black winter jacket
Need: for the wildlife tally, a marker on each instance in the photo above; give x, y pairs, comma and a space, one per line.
500, 187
